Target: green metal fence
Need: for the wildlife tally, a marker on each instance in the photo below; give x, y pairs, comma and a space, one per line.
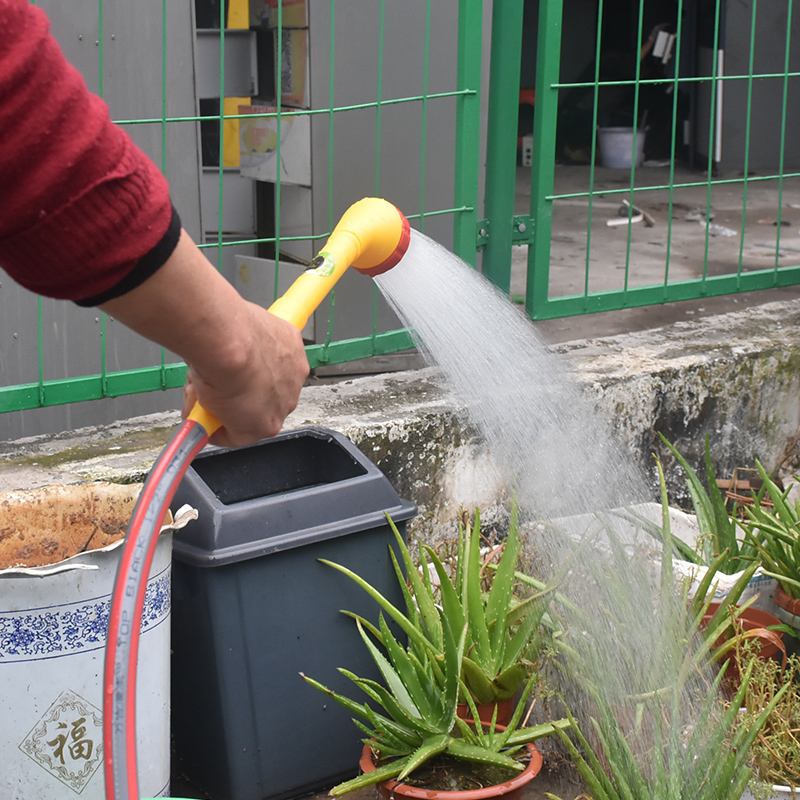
391, 94
713, 209
412, 114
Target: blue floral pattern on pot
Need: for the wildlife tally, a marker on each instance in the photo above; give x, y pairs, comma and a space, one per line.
33, 634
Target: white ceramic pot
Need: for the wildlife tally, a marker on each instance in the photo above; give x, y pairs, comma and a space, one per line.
53, 622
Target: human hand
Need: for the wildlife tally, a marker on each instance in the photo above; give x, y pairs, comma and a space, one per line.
246, 366
254, 383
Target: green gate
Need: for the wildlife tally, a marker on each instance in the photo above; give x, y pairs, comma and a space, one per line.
710, 207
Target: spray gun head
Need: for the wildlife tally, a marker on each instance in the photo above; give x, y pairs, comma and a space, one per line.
372, 236
382, 233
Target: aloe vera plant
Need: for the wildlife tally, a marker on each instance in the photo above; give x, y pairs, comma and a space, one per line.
502, 633
652, 659
718, 529
706, 761
417, 720
775, 533
462, 644
667, 736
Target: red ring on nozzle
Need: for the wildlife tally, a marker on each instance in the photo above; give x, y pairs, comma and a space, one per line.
397, 253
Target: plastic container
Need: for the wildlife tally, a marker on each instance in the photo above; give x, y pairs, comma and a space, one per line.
616, 147
253, 607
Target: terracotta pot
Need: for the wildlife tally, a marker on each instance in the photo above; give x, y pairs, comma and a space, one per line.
505, 709
754, 619
788, 608
751, 620
510, 790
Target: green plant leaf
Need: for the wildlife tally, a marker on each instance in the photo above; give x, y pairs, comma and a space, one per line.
502, 589
724, 524
510, 679
479, 649
451, 602
536, 732
424, 598
395, 681
478, 683
413, 679
412, 631
703, 507
480, 755
382, 773
430, 748
453, 658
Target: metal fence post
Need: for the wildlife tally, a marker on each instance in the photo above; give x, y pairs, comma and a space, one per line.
545, 117
467, 143
501, 142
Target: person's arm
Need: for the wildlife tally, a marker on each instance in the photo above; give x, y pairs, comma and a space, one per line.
86, 216
247, 366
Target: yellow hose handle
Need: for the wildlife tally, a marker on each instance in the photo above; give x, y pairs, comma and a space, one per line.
372, 236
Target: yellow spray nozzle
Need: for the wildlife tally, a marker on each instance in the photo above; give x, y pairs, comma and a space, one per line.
372, 236
382, 232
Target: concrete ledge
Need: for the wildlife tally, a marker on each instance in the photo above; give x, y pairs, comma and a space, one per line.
734, 378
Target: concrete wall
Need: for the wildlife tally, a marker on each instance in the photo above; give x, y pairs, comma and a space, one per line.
734, 378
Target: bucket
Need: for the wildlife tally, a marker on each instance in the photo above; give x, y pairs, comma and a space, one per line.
616, 147
55, 595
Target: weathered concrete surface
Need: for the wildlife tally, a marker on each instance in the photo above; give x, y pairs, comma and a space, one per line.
734, 378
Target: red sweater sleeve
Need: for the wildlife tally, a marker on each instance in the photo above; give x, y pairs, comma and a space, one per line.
80, 205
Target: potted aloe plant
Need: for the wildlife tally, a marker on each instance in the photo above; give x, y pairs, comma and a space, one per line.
773, 528
670, 737
503, 632
706, 761
726, 546
412, 718
719, 530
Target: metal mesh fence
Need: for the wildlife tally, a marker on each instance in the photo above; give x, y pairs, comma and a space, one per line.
269, 119
667, 163
661, 139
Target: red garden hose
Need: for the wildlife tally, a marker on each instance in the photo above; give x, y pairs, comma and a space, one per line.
371, 236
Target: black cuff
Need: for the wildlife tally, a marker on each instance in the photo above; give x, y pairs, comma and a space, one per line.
145, 268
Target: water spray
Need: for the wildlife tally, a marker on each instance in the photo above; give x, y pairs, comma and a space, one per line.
372, 236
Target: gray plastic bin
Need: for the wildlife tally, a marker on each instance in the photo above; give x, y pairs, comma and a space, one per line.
253, 607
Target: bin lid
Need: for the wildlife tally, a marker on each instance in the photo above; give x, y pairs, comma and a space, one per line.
298, 488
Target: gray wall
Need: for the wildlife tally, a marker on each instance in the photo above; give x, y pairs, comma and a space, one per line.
769, 53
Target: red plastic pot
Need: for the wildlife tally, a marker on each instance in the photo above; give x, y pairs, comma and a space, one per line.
754, 622
505, 709
788, 604
510, 790
754, 619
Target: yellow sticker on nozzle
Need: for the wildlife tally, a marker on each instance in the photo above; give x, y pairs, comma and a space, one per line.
323, 265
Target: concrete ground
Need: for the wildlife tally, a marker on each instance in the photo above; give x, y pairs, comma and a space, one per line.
678, 229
